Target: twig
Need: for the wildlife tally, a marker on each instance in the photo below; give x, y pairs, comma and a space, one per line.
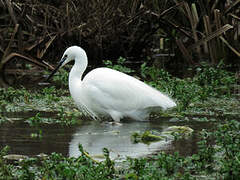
216, 33
229, 46
11, 12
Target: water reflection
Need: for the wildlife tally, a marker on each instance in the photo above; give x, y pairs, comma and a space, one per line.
96, 136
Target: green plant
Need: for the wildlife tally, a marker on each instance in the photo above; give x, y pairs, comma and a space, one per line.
205, 156
56, 166
161, 166
10, 95
153, 73
2, 119
5, 169
120, 66
208, 82
146, 137
170, 164
109, 164
228, 140
61, 76
35, 121
214, 81
50, 94
68, 118
185, 92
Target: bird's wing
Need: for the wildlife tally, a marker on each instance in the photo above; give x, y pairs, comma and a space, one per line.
116, 90
112, 90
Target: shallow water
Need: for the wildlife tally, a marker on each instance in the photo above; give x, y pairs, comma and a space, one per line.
94, 136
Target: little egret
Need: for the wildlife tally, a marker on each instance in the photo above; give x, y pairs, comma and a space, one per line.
107, 92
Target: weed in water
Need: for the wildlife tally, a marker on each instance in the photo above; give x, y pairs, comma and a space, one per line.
68, 118
5, 168
206, 152
35, 122
10, 95
228, 141
50, 94
215, 81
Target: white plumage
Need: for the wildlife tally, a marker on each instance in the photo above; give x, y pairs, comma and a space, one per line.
108, 92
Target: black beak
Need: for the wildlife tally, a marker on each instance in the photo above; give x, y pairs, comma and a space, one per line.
58, 66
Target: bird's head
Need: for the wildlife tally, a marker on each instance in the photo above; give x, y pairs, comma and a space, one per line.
70, 54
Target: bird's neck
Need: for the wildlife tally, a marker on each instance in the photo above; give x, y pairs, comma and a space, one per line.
77, 70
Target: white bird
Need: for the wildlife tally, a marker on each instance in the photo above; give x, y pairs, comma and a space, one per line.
107, 92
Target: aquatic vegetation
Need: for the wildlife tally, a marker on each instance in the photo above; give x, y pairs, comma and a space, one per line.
47, 99
205, 97
212, 161
228, 141
2, 119
220, 108
158, 167
214, 80
119, 66
147, 137
11, 94
61, 117
172, 132
56, 166
208, 82
69, 118
36, 121
179, 131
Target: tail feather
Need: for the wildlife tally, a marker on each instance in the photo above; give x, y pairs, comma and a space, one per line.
165, 102
157, 98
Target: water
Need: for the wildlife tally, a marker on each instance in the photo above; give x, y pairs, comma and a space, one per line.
18, 137
94, 136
